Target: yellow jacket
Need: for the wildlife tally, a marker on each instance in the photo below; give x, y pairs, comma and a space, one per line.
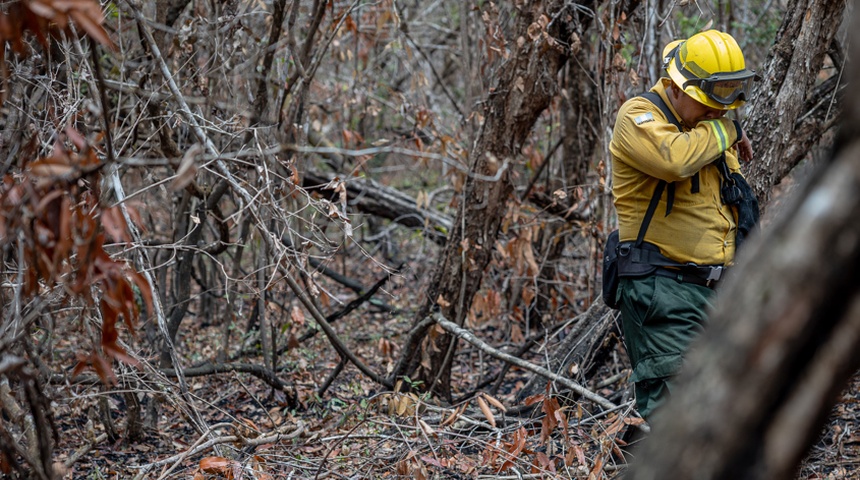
646, 148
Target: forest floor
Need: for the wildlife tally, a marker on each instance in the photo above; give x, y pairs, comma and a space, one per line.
356, 430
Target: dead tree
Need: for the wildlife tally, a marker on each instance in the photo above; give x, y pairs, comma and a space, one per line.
789, 113
580, 127
525, 84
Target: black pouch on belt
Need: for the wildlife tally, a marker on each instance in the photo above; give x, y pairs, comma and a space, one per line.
610, 270
640, 261
613, 249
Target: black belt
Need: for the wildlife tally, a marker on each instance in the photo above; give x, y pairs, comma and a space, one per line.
704, 276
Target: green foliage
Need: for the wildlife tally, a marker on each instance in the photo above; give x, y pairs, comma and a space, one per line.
755, 29
691, 25
111, 11
413, 384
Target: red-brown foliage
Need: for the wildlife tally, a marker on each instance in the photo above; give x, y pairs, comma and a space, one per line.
51, 213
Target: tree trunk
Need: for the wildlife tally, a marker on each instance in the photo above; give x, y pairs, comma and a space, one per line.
579, 132
782, 342
788, 116
526, 82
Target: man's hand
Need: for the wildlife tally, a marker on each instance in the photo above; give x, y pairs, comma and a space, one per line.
745, 151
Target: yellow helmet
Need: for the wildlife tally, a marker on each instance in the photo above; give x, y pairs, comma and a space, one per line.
710, 67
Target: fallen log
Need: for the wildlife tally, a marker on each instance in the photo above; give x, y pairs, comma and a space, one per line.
371, 197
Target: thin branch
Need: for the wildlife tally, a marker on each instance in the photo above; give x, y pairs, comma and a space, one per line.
265, 374
202, 447
270, 238
330, 333
328, 381
365, 297
410, 348
540, 170
103, 98
468, 336
262, 99
439, 80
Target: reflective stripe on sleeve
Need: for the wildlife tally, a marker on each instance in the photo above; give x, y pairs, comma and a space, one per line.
721, 133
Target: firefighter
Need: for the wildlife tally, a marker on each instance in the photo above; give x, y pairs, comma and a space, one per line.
674, 154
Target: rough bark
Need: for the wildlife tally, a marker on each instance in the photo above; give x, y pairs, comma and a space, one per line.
525, 84
782, 342
787, 116
579, 132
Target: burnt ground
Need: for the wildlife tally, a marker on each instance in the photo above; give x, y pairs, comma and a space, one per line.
356, 429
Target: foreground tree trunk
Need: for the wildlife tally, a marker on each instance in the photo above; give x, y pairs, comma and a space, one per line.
782, 343
789, 116
526, 82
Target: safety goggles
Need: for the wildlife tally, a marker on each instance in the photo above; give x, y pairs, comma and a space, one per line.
725, 88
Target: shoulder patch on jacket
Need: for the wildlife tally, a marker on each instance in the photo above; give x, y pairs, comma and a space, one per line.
644, 118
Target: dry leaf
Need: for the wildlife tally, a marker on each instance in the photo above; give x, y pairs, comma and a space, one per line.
442, 302
575, 44
426, 428
451, 418
217, 465
534, 31
454, 415
187, 168
392, 404
634, 78
494, 402
297, 315
422, 200
51, 167
619, 64
486, 410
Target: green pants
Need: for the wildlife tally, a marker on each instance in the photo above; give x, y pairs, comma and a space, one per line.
660, 317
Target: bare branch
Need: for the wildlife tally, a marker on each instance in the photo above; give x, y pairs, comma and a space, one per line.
484, 347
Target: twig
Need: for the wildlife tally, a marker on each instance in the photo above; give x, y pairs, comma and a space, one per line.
184, 455
539, 171
262, 440
525, 347
350, 306
409, 347
468, 336
451, 162
10, 407
261, 99
265, 374
439, 80
334, 445
84, 450
334, 373
103, 98
330, 333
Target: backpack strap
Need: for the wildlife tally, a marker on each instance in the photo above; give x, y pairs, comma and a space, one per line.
655, 199
657, 100
645, 256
